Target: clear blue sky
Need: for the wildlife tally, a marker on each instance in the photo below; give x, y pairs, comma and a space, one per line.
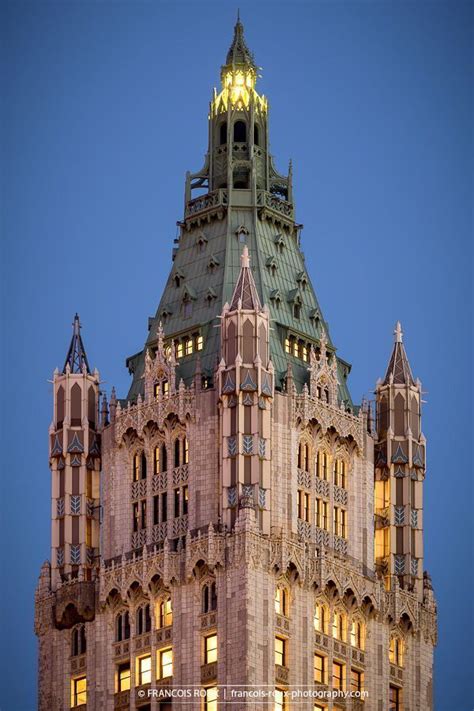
105, 108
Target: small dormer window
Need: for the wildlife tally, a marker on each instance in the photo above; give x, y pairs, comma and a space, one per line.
297, 310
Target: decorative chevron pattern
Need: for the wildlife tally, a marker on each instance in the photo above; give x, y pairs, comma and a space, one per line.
232, 496
261, 497
60, 557
262, 444
75, 554
399, 564
231, 446
399, 515
247, 444
60, 507
75, 504
414, 518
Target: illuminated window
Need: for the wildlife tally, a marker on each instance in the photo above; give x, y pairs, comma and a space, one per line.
287, 345
185, 451
179, 349
210, 649
281, 601
322, 465
357, 678
165, 614
396, 651
210, 701
305, 353
79, 691
280, 704
295, 348
188, 346
338, 676
395, 698
165, 663
382, 493
340, 473
321, 618
318, 707
139, 466
319, 669
123, 677
78, 645
199, 343
339, 626
144, 670
322, 514
122, 627
340, 517
357, 634
280, 651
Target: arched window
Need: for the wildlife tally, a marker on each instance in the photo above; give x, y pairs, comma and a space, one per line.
339, 626
340, 473
164, 618
223, 133
164, 458
281, 600
122, 626
139, 466
177, 448
240, 132
209, 597
322, 465
321, 615
357, 634
303, 456
255, 135
78, 645
396, 651
143, 619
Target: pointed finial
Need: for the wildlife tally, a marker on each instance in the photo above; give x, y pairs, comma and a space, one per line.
398, 333
238, 14
76, 358
244, 258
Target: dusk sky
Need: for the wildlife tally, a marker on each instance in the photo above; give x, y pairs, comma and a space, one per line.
105, 108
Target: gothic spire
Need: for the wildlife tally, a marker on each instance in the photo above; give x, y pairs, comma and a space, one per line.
245, 294
238, 52
76, 356
399, 367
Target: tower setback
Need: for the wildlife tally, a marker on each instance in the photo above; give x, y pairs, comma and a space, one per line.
235, 524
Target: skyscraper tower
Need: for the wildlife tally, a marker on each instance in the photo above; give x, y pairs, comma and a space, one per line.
256, 538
